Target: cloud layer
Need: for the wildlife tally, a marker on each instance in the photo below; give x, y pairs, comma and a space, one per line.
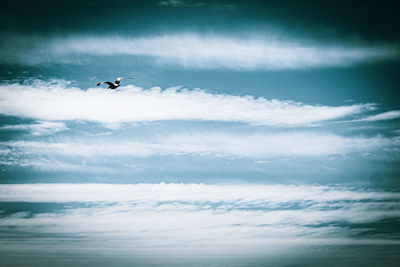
197, 217
58, 101
258, 52
389, 115
244, 194
39, 128
207, 144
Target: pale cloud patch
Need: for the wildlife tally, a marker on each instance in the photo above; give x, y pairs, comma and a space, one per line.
198, 217
210, 51
246, 194
39, 128
57, 101
220, 144
389, 115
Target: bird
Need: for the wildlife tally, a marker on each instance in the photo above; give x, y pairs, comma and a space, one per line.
115, 85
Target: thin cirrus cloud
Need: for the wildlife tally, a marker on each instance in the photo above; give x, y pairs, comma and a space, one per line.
256, 52
389, 115
239, 218
57, 101
206, 144
39, 128
244, 194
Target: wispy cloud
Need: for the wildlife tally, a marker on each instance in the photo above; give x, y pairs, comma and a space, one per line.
207, 144
257, 52
58, 101
39, 128
389, 115
243, 194
196, 216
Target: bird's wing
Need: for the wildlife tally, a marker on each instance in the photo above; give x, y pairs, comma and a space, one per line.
118, 80
109, 83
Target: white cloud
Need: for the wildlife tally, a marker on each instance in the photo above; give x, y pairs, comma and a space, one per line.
39, 128
243, 194
389, 115
198, 216
255, 52
57, 101
277, 144
253, 145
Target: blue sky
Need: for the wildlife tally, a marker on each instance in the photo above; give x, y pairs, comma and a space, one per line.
253, 96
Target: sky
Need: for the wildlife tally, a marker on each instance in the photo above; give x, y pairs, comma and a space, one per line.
245, 127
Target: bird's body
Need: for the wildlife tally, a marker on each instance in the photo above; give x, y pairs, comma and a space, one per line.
113, 85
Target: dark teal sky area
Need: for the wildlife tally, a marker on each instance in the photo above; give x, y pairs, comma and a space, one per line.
372, 21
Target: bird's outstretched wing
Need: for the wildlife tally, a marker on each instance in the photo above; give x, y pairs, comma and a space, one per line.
118, 80
109, 83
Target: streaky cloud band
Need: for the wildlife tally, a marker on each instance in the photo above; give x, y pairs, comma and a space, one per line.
184, 217
57, 101
39, 128
191, 50
207, 144
389, 115
187, 192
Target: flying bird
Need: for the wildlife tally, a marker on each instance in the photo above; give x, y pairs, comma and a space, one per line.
114, 85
